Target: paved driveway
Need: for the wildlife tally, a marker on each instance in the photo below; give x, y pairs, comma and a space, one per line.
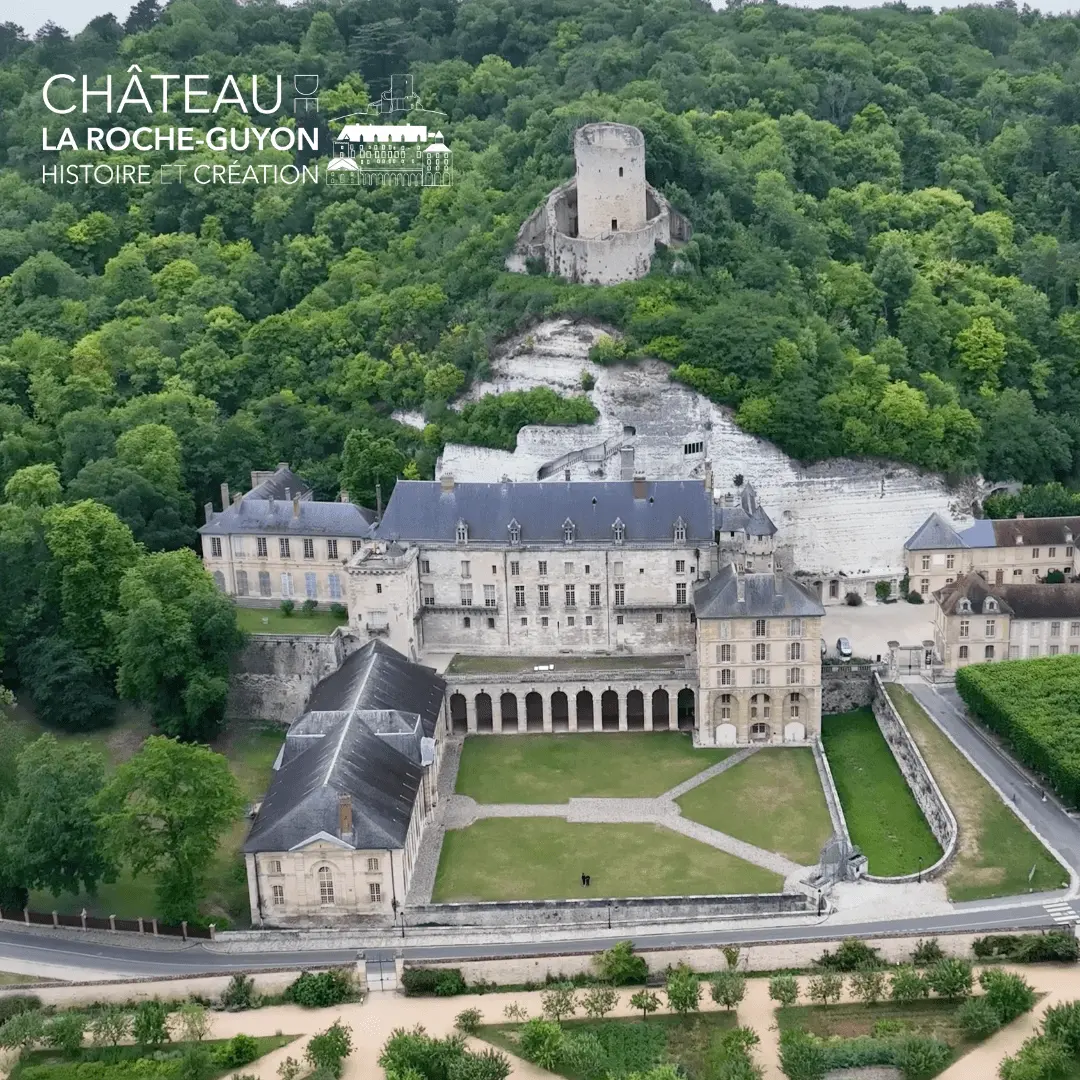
872, 625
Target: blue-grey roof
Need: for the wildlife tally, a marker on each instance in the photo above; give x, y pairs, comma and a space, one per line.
277, 517
979, 535
935, 532
283, 484
423, 510
764, 595
746, 516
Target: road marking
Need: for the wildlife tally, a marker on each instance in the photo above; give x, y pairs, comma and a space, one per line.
1061, 912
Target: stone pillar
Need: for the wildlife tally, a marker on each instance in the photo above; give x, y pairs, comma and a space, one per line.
470, 713
496, 712
571, 709
621, 698
646, 704
545, 711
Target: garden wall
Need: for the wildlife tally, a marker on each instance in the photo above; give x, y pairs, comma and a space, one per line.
845, 687
919, 779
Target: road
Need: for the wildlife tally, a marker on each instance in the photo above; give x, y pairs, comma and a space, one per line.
1048, 818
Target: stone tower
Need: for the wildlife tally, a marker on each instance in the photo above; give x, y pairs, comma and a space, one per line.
610, 169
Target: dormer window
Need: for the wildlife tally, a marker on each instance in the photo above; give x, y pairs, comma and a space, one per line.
680, 531
462, 533
618, 531
964, 606
1019, 540
515, 532
568, 530
991, 604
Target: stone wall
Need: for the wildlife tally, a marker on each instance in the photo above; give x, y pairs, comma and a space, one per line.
919, 779
845, 687
273, 676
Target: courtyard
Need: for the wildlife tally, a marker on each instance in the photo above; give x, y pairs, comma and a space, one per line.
871, 626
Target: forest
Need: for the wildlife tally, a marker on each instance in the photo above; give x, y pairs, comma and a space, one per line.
885, 263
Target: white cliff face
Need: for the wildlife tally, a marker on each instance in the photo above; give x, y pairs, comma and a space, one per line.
836, 516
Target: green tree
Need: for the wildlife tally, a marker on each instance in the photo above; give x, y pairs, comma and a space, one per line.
599, 1001
163, 812
65, 1032
34, 486
683, 990
329, 1049
559, 1002
367, 461
50, 836
907, 984
149, 1025
784, 989
868, 985
950, 978
728, 988
825, 987
646, 1001
620, 965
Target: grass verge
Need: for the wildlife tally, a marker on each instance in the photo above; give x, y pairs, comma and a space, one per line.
544, 858
773, 799
996, 853
275, 621
882, 815
554, 768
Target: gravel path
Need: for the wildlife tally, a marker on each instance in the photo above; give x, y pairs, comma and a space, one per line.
679, 790
427, 859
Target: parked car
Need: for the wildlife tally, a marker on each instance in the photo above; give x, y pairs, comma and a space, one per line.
843, 648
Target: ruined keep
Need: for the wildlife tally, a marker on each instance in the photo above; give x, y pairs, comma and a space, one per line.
602, 226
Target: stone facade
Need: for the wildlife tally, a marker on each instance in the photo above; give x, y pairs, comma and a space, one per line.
845, 687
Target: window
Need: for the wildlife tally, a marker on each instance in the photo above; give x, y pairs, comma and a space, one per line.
373, 866
988, 652
794, 676
515, 569
794, 650
727, 677
1033, 650
1018, 573
761, 653
466, 568
283, 547
1051, 553
620, 170
238, 546
466, 595
617, 569
275, 866
586, 569
620, 594
357, 545
618, 531
494, 568
834, 589
309, 549
693, 447
569, 620
286, 584
965, 628
215, 546
594, 596
793, 706
260, 546
375, 892
588, 620
680, 533
569, 593
924, 586
926, 562
1034, 553
991, 628
326, 885
541, 568
425, 566
680, 566
759, 628
278, 893
519, 596
1074, 629
619, 620
1014, 652
1074, 649
311, 586
264, 583
241, 583
794, 627
725, 706
335, 586
1055, 649
950, 562
427, 595
659, 617
680, 592
544, 620
963, 652
725, 654
524, 621
614, 224
760, 677
1068, 553
1055, 629
568, 531
491, 624
378, 587
219, 580
568, 567
515, 532
467, 622
462, 532
489, 596
331, 549
545, 595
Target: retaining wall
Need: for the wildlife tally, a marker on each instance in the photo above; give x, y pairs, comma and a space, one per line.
845, 687
919, 779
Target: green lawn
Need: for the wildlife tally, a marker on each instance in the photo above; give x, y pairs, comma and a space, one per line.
554, 768
632, 1046
275, 621
996, 850
773, 799
882, 815
544, 858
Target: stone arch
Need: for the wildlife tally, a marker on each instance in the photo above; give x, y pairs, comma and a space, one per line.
609, 711
560, 711
508, 707
794, 718
484, 720
635, 711
534, 711
661, 706
760, 731
584, 711
725, 716
459, 718
685, 709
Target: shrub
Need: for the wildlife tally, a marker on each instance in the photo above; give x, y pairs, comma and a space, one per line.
599, 1001
646, 1001
139, 1069
920, 1058
825, 987
514, 1011
1054, 577
487, 1065
859, 1052
330, 1048
320, 991
450, 983
927, 952
468, 1021
559, 1002
309, 605
23, 1031
995, 945
339, 611
914, 598
868, 985
732, 955
887, 1028
683, 989
801, 1056
584, 1055
853, 599
150, 1026
1052, 947
851, 954
16, 1004
196, 1063
239, 994
950, 978
287, 607
728, 988
907, 985
541, 1041
1062, 1023
883, 590
419, 980
407, 1052
238, 1051
65, 1032
784, 989
977, 1018
621, 966
1040, 1058
588, 380
290, 1069
1009, 995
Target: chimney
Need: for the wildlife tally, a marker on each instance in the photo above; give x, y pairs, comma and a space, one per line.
288, 494
343, 496
446, 481
224, 496
708, 477
378, 501
344, 811
296, 507
282, 464
641, 489
237, 499
740, 585
208, 510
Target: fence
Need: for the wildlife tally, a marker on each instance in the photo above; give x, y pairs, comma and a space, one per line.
82, 921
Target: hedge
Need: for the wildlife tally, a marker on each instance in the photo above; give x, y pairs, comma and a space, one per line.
1033, 705
139, 1069
442, 982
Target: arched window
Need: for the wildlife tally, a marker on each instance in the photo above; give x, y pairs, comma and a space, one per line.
219, 580
991, 604
794, 702
568, 531
462, 533
795, 650
326, 885
680, 531
618, 531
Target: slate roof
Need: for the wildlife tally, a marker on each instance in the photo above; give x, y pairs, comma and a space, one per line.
747, 516
421, 510
351, 744
275, 487
1020, 601
934, 533
979, 535
276, 517
766, 595
1052, 530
